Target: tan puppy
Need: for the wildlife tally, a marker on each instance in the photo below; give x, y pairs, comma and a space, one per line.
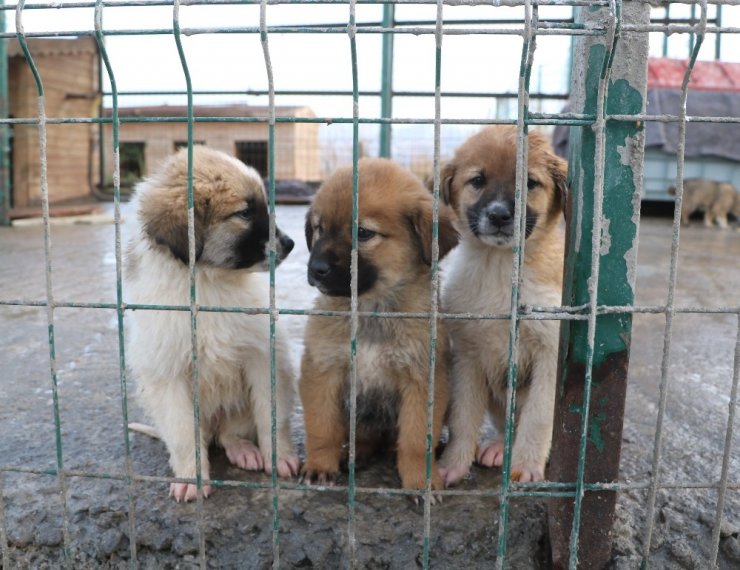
394, 275
727, 202
715, 199
231, 244
479, 182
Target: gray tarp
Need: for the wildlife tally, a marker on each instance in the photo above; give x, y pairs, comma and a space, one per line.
702, 139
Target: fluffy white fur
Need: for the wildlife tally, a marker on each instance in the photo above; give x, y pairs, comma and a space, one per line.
480, 282
233, 357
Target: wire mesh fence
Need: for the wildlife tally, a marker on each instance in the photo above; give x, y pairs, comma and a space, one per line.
607, 116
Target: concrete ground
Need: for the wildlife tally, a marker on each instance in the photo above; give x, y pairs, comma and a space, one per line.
237, 522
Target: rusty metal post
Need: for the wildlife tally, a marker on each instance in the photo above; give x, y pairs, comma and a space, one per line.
605, 175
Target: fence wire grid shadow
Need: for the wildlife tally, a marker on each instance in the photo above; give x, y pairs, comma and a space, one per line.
608, 102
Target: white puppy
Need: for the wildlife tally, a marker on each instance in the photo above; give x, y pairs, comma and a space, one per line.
233, 349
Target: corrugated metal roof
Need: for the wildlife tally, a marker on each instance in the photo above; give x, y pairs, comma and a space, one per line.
666, 73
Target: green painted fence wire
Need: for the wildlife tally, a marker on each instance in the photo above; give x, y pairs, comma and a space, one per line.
130, 487
272, 263
193, 294
520, 195
49, 289
672, 280
354, 268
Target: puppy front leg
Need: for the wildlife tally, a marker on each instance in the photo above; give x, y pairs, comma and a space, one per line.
412, 430
259, 375
174, 422
467, 405
326, 429
534, 424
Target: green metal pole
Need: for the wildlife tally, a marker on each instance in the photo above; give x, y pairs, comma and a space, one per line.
605, 178
718, 37
101, 126
665, 36
5, 181
386, 83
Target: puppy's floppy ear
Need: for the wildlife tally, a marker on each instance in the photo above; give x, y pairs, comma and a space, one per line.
446, 174
559, 174
420, 221
167, 224
308, 228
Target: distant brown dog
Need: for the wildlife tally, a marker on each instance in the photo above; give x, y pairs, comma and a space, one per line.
727, 202
715, 199
479, 183
394, 275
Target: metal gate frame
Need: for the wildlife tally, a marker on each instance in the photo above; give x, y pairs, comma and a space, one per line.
603, 217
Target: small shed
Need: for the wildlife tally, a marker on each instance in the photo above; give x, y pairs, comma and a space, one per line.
69, 72
712, 149
145, 143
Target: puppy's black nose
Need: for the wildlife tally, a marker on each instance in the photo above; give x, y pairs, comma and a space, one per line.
287, 244
319, 268
498, 214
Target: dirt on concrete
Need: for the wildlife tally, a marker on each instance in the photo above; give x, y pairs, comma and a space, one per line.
237, 523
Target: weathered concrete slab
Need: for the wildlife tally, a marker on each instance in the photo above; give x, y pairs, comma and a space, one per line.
238, 522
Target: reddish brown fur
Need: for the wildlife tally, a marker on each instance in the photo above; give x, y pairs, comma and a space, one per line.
392, 354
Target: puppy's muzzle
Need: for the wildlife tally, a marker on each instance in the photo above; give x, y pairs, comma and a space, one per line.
285, 245
500, 217
318, 270
494, 219
324, 274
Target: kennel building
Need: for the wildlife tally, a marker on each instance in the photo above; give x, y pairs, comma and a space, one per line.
711, 151
74, 158
81, 490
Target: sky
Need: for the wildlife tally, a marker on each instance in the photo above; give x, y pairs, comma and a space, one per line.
477, 63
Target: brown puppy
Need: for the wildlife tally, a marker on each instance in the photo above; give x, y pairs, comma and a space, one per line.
715, 199
727, 202
394, 275
479, 182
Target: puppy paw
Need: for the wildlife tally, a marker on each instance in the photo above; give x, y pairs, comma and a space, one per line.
490, 454
527, 472
452, 474
187, 491
310, 476
418, 480
287, 466
244, 454
434, 499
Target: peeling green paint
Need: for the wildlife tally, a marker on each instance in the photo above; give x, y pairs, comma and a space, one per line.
615, 286
594, 426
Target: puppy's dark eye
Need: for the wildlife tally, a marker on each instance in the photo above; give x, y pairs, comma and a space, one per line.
478, 182
364, 234
245, 214
531, 183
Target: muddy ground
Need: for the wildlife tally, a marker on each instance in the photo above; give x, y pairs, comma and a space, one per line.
237, 522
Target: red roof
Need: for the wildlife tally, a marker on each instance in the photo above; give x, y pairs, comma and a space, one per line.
664, 73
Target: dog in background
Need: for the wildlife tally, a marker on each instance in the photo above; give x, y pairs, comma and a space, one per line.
394, 241
727, 203
231, 246
715, 199
479, 183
